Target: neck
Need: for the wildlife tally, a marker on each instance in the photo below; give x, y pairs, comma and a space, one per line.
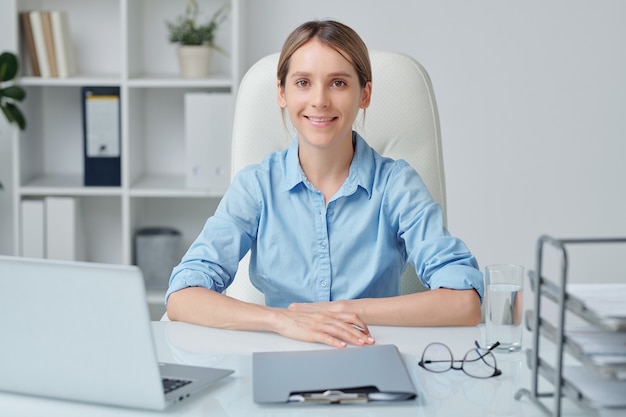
327, 169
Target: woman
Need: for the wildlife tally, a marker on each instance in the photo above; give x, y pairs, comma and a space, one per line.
331, 224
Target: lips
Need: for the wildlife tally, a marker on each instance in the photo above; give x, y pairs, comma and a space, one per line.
320, 119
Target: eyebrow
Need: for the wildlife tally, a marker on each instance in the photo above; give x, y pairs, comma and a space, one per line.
333, 74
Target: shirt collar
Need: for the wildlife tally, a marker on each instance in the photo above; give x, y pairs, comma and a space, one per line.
293, 173
361, 168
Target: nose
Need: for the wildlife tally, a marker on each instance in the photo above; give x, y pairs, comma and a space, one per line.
319, 96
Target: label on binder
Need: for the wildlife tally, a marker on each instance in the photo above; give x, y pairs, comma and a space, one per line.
102, 125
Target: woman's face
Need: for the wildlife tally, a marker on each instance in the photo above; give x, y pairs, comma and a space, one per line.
322, 95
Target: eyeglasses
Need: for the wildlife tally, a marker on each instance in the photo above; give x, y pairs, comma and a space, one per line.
477, 362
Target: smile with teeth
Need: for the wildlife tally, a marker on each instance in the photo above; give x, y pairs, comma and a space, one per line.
320, 119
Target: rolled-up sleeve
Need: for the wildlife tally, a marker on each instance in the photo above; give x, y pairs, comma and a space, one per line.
440, 260
213, 258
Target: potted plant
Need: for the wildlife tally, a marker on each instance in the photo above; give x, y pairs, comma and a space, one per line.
195, 40
10, 93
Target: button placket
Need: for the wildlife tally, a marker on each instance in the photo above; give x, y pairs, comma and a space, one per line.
323, 272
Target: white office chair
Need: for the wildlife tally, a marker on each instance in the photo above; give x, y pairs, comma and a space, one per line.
401, 122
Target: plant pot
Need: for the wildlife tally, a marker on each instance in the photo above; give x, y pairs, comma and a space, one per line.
194, 60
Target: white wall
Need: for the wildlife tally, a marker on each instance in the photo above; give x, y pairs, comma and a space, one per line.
531, 94
532, 101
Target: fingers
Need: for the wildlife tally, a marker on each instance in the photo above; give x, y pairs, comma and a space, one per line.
334, 329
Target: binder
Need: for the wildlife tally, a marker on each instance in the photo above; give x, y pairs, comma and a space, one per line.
63, 229
33, 228
208, 131
101, 132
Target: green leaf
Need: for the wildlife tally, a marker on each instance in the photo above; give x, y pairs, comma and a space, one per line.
14, 92
6, 112
14, 115
8, 66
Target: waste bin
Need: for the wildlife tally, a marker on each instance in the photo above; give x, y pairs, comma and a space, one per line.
156, 253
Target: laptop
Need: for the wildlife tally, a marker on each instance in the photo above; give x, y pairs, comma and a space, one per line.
81, 331
374, 373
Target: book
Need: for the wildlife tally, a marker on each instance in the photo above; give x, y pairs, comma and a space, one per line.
32, 230
40, 43
63, 229
46, 24
29, 43
63, 47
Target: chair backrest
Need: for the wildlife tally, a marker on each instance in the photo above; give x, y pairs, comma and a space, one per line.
401, 122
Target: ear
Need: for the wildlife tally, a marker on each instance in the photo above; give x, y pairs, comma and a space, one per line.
366, 95
282, 101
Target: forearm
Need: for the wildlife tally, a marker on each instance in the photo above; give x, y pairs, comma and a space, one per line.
199, 305
439, 307
205, 307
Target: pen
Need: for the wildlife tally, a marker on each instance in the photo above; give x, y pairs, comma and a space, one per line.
359, 328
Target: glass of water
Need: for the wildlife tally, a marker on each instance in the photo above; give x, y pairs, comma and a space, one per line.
504, 303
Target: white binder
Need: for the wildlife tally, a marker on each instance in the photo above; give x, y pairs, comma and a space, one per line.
63, 229
33, 228
208, 131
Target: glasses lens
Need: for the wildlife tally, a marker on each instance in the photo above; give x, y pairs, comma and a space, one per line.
437, 358
479, 363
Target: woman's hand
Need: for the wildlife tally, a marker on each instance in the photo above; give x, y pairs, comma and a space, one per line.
307, 322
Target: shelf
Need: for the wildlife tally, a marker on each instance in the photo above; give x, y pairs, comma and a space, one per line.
160, 185
77, 80
217, 80
64, 184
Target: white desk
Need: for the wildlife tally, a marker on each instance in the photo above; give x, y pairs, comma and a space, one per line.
448, 394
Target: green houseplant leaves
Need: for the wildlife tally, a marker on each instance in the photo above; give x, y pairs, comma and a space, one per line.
186, 30
10, 93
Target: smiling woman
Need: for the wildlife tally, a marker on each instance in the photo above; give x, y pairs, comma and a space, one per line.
330, 224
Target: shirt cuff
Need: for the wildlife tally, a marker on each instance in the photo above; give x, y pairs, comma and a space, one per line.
185, 280
459, 277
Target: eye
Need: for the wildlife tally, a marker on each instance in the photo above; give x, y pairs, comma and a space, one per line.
302, 83
338, 83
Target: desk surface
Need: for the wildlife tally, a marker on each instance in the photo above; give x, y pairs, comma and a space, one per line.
448, 394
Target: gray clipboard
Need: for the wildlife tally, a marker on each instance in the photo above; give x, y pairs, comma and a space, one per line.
331, 376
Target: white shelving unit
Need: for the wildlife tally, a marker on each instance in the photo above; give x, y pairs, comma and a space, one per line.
120, 43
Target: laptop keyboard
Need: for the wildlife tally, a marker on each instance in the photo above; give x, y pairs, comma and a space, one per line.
170, 384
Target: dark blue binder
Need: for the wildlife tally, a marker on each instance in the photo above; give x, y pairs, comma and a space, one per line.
101, 136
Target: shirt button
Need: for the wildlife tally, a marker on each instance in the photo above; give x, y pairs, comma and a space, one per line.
323, 245
324, 284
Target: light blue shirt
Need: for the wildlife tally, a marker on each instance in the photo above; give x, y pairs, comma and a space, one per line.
357, 246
